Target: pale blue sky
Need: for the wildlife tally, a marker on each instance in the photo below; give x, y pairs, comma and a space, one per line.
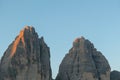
61, 21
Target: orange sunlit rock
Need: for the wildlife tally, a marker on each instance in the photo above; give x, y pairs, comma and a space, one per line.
20, 37
27, 58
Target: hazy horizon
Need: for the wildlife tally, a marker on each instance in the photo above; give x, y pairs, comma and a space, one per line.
60, 22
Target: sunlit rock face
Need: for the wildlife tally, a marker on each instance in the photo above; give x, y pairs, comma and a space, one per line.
27, 58
84, 62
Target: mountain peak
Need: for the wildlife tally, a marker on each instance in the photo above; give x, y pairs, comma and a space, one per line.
79, 39
26, 30
84, 62
26, 34
27, 27
27, 55
81, 43
30, 28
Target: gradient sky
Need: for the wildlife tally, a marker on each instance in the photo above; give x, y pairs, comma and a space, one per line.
61, 21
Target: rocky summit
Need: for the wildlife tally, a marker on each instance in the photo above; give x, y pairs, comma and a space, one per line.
84, 62
115, 75
27, 58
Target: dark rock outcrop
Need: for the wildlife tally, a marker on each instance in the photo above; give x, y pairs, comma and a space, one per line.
115, 75
27, 58
84, 62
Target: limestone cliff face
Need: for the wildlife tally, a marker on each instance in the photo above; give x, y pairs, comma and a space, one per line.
27, 58
84, 62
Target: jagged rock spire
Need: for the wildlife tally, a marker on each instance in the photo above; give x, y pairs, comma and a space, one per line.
84, 62
27, 58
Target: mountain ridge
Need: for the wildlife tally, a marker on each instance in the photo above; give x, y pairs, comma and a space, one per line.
28, 58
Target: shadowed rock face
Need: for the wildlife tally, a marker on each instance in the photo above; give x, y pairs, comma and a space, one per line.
27, 58
115, 75
84, 62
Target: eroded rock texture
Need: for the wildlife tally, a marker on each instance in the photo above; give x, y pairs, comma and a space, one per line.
27, 58
84, 62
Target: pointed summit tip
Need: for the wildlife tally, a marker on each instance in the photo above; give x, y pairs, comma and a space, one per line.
78, 39
82, 37
27, 31
29, 28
